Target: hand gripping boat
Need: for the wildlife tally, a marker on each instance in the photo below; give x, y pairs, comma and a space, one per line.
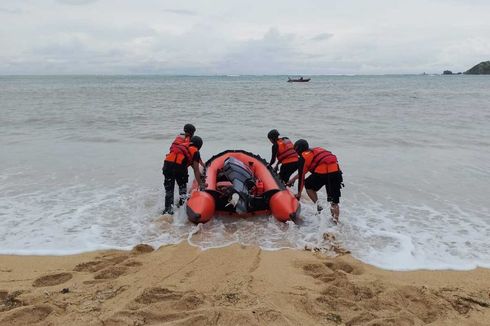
239, 183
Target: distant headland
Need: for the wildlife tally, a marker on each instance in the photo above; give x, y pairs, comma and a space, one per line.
483, 68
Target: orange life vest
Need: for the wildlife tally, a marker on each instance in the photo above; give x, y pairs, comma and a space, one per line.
179, 141
320, 160
285, 151
179, 150
192, 150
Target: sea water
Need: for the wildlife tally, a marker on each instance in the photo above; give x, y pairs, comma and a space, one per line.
81, 161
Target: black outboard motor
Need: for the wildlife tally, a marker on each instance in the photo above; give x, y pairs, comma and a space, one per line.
242, 178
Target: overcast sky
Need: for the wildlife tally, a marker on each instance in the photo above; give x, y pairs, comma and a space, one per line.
242, 37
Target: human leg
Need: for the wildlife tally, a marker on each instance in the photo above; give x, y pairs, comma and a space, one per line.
333, 192
312, 184
169, 185
182, 178
287, 170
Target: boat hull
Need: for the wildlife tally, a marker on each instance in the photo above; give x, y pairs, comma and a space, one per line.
273, 196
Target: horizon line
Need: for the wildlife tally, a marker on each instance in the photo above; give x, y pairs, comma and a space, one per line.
221, 75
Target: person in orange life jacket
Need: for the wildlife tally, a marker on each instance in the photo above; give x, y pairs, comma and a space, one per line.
179, 145
325, 171
184, 137
175, 170
283, 151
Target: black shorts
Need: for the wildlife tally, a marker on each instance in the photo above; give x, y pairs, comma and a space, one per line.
176, 172
331, 181
287, 170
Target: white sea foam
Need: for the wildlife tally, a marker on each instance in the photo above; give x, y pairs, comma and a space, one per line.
82, 172
80, 218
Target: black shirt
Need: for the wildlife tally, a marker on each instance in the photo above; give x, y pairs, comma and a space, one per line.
195, 158
274, 153
301, 164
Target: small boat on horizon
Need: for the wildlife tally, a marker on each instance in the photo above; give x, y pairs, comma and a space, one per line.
298, 80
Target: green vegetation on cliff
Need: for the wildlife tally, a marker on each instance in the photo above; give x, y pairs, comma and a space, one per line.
483, 68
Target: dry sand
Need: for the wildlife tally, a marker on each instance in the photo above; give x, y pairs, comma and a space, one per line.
236, 285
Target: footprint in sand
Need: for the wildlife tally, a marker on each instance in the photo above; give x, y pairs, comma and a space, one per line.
3, 295
9, 301
100, 263
111, 273
106, 265
190, 301
26, 315
152, 295
320, 272
106, 294
173, 307
112, 267
179, 300
329, 271
51, 280
91, 266
133, 263
342, 266
142, 249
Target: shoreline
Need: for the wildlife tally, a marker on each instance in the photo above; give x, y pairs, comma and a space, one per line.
234, 285
333, 247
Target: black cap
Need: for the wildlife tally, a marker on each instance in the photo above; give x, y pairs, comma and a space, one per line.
196, 141
189, 129
301, 145
273, 134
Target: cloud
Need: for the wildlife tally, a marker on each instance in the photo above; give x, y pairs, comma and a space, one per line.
229, 37
131, 49
322, 37
76, 2
465, 2
272, 52
182, 12
14, 11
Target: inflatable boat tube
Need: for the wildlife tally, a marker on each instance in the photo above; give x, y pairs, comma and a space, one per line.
239, 183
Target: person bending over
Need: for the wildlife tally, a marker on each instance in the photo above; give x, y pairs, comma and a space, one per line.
283, 151
324, 170
175, 168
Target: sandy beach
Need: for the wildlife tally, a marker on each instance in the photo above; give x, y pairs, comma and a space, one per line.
244, 163
235, 285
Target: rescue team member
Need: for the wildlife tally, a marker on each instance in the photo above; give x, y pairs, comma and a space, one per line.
180, 157
185, 137
283, 150
325, 171
178, 145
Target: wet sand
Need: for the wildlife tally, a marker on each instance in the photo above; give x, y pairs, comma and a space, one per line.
235, 285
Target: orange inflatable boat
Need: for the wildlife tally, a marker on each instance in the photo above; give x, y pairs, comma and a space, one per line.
240, 183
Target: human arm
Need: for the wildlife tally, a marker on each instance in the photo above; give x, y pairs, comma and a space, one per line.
196, 162
274, 154
197, 173
300, 176
292, 180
